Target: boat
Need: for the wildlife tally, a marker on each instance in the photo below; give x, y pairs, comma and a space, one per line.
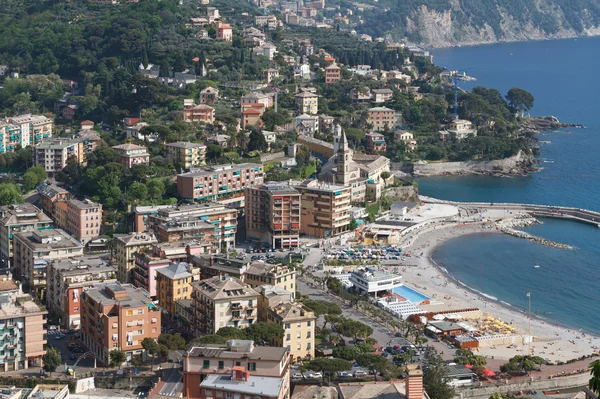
537, 266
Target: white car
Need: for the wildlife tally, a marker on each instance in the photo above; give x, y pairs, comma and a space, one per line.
360, 373
297, 376
315, 375
345, 374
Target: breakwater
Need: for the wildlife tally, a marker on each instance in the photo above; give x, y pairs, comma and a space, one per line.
509, 227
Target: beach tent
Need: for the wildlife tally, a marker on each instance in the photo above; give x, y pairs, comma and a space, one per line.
489, 373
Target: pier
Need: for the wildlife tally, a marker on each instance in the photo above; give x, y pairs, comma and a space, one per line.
543, 211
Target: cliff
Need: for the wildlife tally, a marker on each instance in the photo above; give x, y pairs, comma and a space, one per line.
517, 165
445, 23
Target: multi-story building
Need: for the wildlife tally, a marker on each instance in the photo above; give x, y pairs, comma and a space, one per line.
33, 250
223, 302
273, 214
210, 222
325, 209
307, 103
174, 282
375, 142
23, 131
298, 322
215, 265
242, 384
371, 282
141, 214
126, 245
382, 118
201, 361
382, 95
257, 97
68, 278
218, 181
333, 74
271, 74
17, 219
22, 329
270, 296
261, 273
198, 113
251, 117
224, 32
209, 95
118, 316
84, 219
132, 154
53, 153
50, 195
188, 155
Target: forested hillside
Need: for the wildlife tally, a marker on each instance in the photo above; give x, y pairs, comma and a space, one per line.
450, 22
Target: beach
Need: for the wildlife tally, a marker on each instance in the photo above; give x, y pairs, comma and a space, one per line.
553, 342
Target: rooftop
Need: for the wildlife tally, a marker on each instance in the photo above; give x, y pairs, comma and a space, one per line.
291, 311
175, 271
39, 240
278, 188
224, 287
220, 168
306, 94
50, 190
21, 214
315, 185
235, 349
125, 295
186, 144
82, 265
129, 146
380, 109
132, 239
373, 275
255, 385
87, 204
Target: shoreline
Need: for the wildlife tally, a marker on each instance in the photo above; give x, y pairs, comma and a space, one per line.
553, 340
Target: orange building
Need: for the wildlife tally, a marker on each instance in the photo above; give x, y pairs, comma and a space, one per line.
118, 317
333, 74
251, 117
198, 113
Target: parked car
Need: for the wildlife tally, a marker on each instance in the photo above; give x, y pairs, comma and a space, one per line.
345, 374
359, 373
315, 375
297, 376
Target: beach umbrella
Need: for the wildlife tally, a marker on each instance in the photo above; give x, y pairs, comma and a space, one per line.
489, 373
468, 366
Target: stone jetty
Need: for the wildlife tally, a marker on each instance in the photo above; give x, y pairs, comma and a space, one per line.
509, 226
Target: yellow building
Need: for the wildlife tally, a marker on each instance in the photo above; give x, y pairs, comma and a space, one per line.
260, 273
173, 283
189, 155
298, 322
325, 209
125, 246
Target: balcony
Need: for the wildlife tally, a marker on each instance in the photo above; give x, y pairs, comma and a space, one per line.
236, 306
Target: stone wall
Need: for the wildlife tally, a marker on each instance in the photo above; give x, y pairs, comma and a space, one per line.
516, 165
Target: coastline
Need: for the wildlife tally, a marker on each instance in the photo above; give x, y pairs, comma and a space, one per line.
553, 340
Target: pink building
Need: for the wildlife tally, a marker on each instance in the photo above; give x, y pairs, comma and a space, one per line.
84, 220
224, 32
132, 154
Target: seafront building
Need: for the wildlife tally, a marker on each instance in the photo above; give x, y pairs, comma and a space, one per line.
325, 208
372, 282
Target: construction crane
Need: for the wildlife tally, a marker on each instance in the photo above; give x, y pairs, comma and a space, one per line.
456, 75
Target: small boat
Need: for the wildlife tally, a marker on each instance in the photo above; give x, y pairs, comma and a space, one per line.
537, 266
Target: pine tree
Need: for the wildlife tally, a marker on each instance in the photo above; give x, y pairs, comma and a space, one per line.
145, 58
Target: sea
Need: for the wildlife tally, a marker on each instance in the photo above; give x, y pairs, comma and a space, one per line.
563, 77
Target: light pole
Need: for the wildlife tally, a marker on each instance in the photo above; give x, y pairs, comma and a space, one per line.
529, 319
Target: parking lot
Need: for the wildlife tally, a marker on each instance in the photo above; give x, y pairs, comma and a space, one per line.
70, 348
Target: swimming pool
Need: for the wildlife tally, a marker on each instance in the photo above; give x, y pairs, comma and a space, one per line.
410, 294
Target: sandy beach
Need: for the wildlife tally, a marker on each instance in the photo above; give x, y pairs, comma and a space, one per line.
551, 340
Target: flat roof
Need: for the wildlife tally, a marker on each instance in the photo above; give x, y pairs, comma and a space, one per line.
271, 353
375, 275
255, 385
220, 169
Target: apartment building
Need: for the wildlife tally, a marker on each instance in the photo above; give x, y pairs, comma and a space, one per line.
201, 361
198, 113
224, 32
219, 181
209, 95
118, 316
271, 74
257, 97
333, 74
141, 214
251, 117
24, 130
325, 209
68, 278
22, 329
53, 153
307, 103
298, 321
270, 296
261, 273
33, 250
126, 245
273, 215
173, 283
223, 302
188, 155
84, 220
50, 195
382, 118
242, 384
382, 95
216, 265
16, 219
132, 154
214, 224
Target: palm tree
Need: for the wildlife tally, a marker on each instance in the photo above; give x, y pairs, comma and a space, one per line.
595, 380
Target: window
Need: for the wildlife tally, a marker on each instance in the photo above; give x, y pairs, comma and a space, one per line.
208, 392
206, 364
308, 334
221, 364
288, 337
308, 346
287, 325
252, 366
76, 309
228, 395
309, 323
238, 363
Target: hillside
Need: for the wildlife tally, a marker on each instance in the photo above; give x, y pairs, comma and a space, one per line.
442, 23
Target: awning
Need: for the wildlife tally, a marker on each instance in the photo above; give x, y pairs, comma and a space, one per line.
469, 366
489, 373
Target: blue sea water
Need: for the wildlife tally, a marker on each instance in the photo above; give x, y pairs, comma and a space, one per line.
562, 75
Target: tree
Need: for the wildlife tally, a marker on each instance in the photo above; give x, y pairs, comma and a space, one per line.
519, 100
435, 378
263, 333
374, 363
354, 328
163, 351
257, 141
346, 352
323, 307
137, 192
465, 356
150, 346
117, 357
207, 339
10, 194
519, 365
329, 367
334, 285
595, 380
156, 188
232, 333
51, 360
172, 341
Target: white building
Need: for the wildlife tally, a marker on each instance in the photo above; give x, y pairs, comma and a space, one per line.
371, 281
